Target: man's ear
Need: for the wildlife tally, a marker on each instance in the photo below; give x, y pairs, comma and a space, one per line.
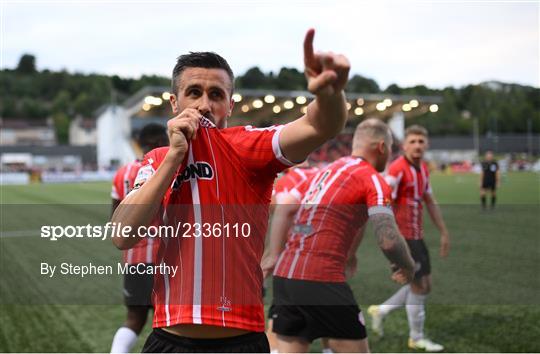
172, 101
381, 147
231, 106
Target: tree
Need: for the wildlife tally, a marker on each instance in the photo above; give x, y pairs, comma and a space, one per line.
254, 78
27, 64
362, 84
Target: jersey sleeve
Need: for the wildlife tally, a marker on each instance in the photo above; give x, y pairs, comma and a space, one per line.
378, 195
149, 165
260, 150
117, 192
300, 189
393, 178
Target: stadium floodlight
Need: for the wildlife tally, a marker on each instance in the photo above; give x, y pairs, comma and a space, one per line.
303, 110
257, 104
358, 111
288, 104
414, 103
166, 96
301, 99
157, 101
146, 107
276, 109
149, 99
360, 101
348, 106
245, 108
381, 106
433, 108
269, 99
387, 102
237, 97
406, 107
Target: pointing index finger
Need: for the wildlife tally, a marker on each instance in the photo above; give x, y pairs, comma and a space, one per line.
309, 56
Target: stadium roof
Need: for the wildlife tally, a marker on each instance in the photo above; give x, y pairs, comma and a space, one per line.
267, 107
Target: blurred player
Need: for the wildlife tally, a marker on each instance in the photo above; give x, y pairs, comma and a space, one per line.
408, 176
489, 179
215, 176
311, 298
137, 287
291, 178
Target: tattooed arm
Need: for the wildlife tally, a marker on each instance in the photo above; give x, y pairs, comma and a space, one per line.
393, 244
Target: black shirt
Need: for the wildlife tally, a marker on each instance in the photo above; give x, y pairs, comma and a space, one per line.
489, 169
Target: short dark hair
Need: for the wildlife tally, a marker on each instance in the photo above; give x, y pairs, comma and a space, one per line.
208, 60
152, 136
416, 130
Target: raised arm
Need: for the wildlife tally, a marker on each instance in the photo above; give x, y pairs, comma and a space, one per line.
327, 75
393, 244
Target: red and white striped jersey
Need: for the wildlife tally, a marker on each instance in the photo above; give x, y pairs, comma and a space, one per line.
335, 203
409, 185
220, 199
293, 177
144, 251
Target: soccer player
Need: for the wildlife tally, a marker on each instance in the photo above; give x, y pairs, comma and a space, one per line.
408, 176
489, 179
282, 187
137, 287
215, 184
311, 297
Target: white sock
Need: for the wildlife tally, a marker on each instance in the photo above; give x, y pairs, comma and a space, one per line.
274, 351
416, 315
124, 340
327, 351
395, 301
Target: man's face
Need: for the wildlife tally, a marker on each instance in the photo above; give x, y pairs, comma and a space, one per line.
489, 156
415, 146
206, 90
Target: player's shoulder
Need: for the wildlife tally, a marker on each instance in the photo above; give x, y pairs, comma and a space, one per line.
121, 170
399, 163
155, 156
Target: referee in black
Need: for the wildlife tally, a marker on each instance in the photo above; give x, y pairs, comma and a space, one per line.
489, 179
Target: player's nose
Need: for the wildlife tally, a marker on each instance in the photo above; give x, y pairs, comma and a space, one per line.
203, 105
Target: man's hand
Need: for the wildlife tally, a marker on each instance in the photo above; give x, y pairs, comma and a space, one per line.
402, 276
181, 129
445, 245
268, 264
326, 73
351, 267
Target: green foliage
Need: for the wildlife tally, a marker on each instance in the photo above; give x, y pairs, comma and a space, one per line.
61, 125
498, 107
362, 84
27, 64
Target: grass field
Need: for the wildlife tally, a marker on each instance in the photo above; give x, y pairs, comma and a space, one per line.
485, 296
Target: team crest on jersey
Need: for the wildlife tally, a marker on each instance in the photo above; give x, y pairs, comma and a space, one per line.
198, 170
143, 175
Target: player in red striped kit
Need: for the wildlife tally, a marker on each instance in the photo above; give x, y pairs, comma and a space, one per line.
221, 177
291, 178
280, 194
408, 176
311, 297
137, 287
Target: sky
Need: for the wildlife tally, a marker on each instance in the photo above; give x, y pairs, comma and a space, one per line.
434, 43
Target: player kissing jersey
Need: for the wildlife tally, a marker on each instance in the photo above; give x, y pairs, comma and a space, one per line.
144, 251
335, 203
219, 203
409, 185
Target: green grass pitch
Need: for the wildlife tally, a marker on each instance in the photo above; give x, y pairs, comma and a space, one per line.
485, 296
